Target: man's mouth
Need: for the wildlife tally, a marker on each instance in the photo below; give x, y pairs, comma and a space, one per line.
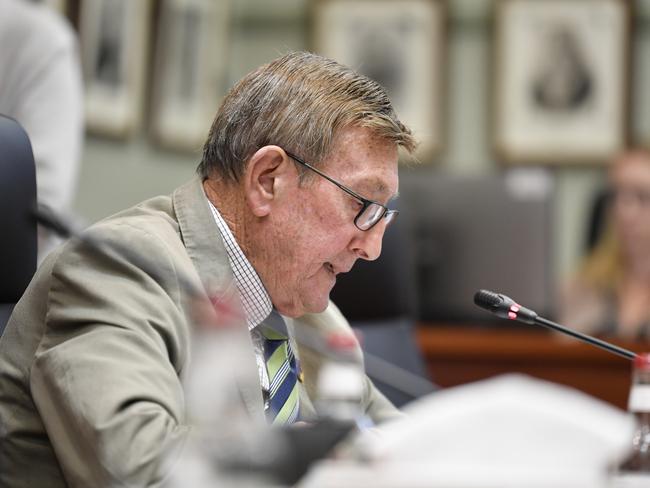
336, 270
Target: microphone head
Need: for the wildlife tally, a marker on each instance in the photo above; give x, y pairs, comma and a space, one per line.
503, 306
488, 300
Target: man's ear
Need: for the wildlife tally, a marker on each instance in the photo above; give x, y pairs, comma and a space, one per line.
265, 177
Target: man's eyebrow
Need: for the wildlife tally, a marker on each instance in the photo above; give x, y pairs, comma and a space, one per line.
381, 188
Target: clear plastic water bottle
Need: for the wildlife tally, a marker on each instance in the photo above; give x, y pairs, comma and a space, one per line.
341, 382
634, 471
223, 434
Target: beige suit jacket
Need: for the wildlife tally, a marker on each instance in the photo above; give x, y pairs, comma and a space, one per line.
91, 360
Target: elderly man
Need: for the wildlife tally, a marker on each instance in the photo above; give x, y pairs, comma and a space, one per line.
293, 188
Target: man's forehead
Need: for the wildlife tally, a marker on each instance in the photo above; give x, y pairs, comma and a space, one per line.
366, 162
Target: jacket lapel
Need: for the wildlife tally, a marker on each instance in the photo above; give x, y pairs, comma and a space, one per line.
207, 251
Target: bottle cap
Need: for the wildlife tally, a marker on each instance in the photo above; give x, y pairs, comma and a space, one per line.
642, 361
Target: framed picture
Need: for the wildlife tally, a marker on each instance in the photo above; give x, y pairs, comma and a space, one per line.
114, 45
190, 71
398, 43
561, 80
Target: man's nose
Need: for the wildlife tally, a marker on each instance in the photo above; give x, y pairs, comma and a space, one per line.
367, 244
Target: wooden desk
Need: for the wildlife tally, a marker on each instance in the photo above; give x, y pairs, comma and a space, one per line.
457, 354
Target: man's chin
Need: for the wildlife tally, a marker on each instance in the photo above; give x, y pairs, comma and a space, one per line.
296, 310
320, 308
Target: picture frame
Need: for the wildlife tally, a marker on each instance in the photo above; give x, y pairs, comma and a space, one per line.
190, 71
561, 80
400, 44
114, 41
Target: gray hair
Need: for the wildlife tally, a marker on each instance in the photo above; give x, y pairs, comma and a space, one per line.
299, 102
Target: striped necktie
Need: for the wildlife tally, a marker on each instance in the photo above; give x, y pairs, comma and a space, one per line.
282, 368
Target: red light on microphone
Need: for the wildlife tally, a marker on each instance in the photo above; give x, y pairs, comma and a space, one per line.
514, 308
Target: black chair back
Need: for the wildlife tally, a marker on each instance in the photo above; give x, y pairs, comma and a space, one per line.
18, 245
385, 288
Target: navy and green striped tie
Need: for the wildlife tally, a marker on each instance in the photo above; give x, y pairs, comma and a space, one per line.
282, 368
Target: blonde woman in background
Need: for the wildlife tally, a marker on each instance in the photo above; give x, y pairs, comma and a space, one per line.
611, 293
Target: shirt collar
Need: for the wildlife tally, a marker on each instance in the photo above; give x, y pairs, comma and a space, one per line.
255, 299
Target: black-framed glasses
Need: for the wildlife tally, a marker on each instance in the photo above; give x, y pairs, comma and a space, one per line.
371, 212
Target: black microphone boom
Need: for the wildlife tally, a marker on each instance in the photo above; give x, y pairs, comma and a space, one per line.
506, 308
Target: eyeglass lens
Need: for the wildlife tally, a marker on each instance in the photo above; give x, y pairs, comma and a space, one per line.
371, 215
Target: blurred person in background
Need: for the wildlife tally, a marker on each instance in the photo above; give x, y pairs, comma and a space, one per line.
610, 295
41, 88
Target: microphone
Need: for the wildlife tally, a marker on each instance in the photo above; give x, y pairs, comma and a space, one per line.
505, 307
